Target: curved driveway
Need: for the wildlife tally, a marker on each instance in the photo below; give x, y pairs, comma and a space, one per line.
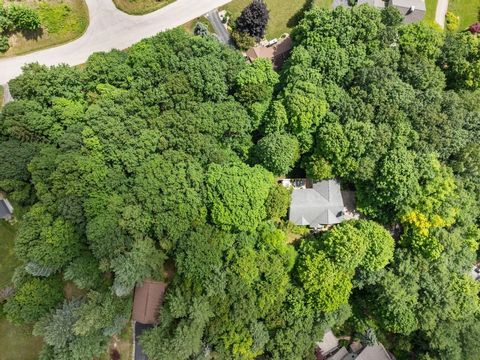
110, 28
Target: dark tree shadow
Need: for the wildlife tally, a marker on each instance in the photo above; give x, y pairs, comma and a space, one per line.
295, 19
32, 34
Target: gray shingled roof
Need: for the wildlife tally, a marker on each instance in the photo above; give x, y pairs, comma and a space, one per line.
376, 3
320, 205
404, 7
5, 209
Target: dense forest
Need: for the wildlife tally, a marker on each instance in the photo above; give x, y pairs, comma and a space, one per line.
160, 162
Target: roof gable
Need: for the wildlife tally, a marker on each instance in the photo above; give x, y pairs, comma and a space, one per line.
320, 205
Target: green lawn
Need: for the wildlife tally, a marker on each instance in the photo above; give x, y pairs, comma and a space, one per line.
140, 7
16, 342
284, 14
431, 9
62, 21
467, 10
8, 261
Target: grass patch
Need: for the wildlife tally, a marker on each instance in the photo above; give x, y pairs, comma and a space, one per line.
189, 26
431, 6
16, 342
140, 7
284, 15
8, 261
467, 10
62, 21
2, 90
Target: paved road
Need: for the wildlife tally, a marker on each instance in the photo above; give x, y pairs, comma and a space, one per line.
441, 11
218, 26
110, 28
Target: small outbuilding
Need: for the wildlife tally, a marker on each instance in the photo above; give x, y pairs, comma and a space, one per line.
6, 209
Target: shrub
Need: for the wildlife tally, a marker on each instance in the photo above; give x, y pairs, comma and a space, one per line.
200, 29
6, 24
452, 21
23, 18
4, 45
243, 40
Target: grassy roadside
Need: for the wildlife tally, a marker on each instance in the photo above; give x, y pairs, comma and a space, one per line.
467, 10
284, 15
1, 96
140, 7
62, 21
189, 26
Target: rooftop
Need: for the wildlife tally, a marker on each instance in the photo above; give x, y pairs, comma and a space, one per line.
6, 209
320, 205
147, 301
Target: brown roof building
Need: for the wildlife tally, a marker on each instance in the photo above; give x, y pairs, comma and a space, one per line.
147, 301
278, 53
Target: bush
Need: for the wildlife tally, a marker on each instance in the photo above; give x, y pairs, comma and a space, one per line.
6, 24
452, 21
4, 45
243, 40
200, 29
23, 18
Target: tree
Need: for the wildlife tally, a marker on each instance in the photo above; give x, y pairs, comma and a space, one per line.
420, 39
278, 152
255, 83
253, 19
200, 29
142, 262
236, 194
327, 285
33, 298
84, 272
278, 202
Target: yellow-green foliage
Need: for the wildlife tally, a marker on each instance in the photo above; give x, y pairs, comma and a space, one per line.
434, 209
59, 18
452, 21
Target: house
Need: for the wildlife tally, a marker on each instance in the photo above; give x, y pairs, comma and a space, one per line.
316, 204
277, 53
6, 209
411, 10
329, 349
146, 304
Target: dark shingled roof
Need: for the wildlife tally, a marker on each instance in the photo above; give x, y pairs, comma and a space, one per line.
6, 209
